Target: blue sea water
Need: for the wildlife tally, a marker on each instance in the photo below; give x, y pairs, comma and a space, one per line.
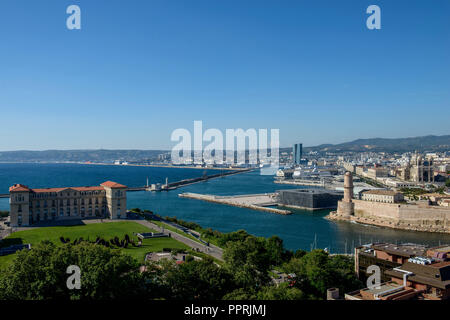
301, 230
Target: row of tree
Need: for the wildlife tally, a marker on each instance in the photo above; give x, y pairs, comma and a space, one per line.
114, 242
106, 273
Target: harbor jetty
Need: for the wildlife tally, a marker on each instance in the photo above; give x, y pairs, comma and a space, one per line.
261, 202
185, 182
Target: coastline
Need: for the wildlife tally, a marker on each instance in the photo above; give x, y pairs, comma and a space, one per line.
297, 230
373, 222
127, 165
306, 208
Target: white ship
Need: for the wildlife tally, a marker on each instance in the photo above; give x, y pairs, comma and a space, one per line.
310, 173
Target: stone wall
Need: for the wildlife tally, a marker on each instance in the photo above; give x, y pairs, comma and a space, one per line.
400, 216
376, 210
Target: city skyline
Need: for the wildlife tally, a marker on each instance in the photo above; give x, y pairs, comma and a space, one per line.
135, 73
225, 150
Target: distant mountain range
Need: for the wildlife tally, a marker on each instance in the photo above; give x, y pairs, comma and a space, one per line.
426, 143
78, 155
400, 145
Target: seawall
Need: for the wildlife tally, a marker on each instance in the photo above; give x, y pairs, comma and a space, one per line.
253, 201
413, 217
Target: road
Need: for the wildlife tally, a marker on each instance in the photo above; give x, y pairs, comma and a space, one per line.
211, 250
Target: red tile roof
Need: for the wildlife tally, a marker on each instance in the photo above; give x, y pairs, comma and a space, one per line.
47, 190
98, 188
112, 184
18, 187
23, 188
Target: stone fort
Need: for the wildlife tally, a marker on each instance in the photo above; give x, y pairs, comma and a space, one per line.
418, 217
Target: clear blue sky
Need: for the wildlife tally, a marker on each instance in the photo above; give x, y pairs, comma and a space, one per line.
139, 69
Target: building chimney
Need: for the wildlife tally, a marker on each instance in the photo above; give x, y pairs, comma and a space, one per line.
333, 294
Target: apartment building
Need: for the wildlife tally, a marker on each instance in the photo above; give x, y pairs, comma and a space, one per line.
408, 271
386, 196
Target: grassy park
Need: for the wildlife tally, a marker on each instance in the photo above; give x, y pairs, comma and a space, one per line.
106, 230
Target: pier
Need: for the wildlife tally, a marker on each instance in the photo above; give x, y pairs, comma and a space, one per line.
186, 182
261, 202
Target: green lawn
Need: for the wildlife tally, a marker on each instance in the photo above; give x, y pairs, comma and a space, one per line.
106, 230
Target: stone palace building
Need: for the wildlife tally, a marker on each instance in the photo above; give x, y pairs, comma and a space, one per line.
30, 206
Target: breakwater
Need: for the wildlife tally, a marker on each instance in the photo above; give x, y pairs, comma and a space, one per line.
186, 182
261, 202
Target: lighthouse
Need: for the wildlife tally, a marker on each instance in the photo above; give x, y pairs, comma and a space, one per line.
346, 207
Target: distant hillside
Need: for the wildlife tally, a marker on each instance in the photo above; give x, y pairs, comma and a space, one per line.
426, 143
77, 155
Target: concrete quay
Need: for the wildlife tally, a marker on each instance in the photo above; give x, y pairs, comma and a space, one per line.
259, 202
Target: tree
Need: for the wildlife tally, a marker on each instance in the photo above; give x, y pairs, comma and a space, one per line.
197, 279
274, 246
299, 253
241, 294
280, 292
239, 235
344, 274
316, 271
249, 262
40, 273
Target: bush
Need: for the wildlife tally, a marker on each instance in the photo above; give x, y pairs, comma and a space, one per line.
40, 273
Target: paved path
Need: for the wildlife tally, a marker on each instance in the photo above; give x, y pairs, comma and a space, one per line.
212, 250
